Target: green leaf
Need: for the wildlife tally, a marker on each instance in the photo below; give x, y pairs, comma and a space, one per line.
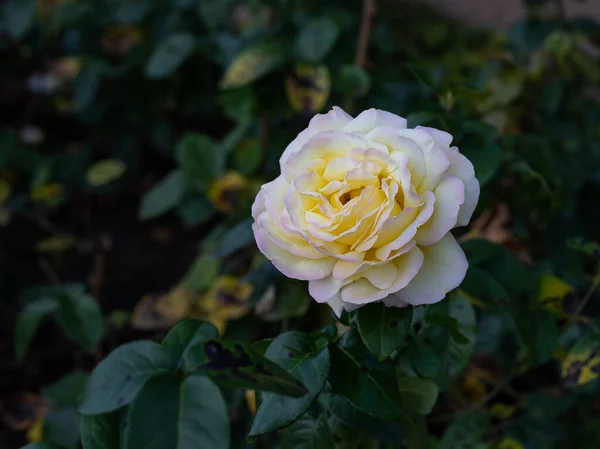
458, 354
480, 250
308, 433
247, 156
196, 210
368, 385
582, 364
28, 321
163, 196
100, 431
466, 432
105, 171
61, 426
316, 39
19, 16
87, 85
419, 118
202, 272
388, 431
417, 395
251, 64
214, 12
168, 413
119, 377
236, 366
297, 353
236, 238
354, 81
382, 328
185, 334
200, 157
67, 390
169, 55
291, 301
80, 317
425, 361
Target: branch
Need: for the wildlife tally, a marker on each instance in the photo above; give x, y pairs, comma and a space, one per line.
364, 35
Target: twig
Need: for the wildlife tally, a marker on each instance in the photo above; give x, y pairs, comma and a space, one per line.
487, 398
364, 35
561, 10
48, 271
586, 298
43, 223
99, 266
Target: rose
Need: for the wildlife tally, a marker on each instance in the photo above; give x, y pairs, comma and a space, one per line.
363, 210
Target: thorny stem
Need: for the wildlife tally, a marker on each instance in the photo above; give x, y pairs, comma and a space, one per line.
586, 298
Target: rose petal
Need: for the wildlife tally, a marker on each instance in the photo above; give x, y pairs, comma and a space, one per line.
371, 118
437, 164
335, 119
322, 290
449, 196
471, 197
441, 137
444, 268
292, 266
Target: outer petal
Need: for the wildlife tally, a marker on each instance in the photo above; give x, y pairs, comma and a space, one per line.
471, 198
444, 268
322, 290
335, 119
292, 266
437, 164
372, 118
441, 137
449, 196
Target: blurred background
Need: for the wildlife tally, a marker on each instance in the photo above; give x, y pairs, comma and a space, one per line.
135, 134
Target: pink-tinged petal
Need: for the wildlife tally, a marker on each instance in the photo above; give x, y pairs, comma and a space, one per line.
293, 243
449, 196
471, 198
338, 306
372, 118
423, 139
441, 137
393, 139
292, 266
322, 290
437, 164
258, 207
444, 268
335, 119
274, 192
460, 166
326, 145
362, 291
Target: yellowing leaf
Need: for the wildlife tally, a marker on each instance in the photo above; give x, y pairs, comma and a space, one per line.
556, 295
46, 193
227, 299
119, 40
35, 434
502, 411
56, 244
5, 191
104, 171
308, 88
224, 192
582, 364
509, 443
251, 64
251, 401
154, 312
